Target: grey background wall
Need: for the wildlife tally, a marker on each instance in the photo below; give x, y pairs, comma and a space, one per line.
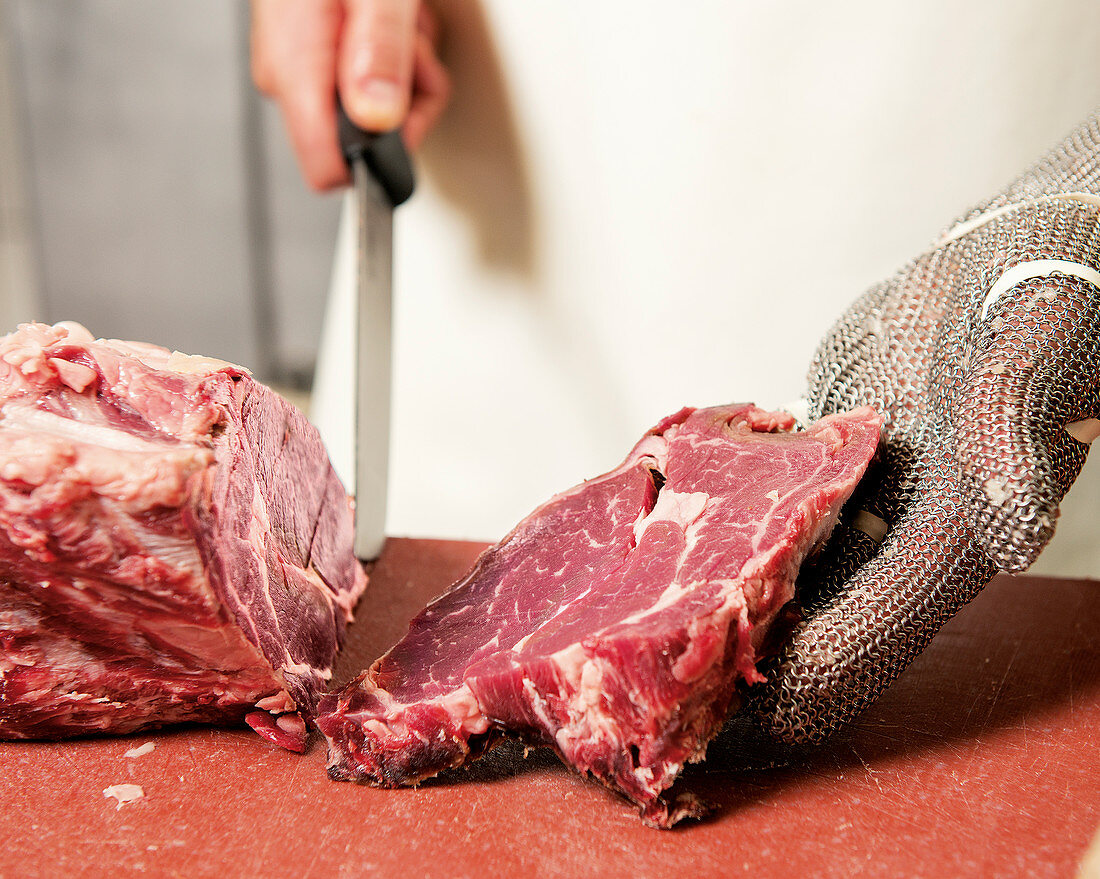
148, 191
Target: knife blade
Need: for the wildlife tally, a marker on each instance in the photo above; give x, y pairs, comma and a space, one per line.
382, 176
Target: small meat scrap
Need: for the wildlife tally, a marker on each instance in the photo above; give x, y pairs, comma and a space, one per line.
174, 544
124, 794
141, 750
615, 622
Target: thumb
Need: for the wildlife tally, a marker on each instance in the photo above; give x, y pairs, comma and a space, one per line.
377, 50
857, 639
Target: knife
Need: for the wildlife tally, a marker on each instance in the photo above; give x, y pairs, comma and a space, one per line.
382, 175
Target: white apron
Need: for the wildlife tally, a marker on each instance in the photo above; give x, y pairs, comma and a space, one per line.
634, 207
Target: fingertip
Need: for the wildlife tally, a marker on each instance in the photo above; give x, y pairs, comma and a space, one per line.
321, 173
325, 178
1015, 462
262, 77
311, 123
1012, 515
375, 104
375, 66
323, 165
413, 132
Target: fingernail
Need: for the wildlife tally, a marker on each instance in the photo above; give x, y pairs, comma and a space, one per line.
378, 104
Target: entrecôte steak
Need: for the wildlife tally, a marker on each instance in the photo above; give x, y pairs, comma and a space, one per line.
615, 622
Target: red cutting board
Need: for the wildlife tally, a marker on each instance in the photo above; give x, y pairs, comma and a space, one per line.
982, 760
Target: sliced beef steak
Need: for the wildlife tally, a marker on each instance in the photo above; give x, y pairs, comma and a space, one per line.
615, 621
174, 545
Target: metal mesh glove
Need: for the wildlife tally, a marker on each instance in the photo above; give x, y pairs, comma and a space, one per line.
979, 354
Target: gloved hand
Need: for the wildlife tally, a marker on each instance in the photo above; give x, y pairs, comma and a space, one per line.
983, 354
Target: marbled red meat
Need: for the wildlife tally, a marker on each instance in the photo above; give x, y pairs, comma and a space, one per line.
615, 622
174, 545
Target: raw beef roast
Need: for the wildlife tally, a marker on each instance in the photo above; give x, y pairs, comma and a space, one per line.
615, 621
174, 545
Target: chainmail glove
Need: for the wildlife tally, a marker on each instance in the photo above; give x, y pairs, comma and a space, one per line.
983, 355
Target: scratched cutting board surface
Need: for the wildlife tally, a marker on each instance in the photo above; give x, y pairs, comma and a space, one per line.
982, 760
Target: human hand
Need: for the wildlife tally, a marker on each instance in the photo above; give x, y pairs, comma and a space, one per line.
379, 56
983, 354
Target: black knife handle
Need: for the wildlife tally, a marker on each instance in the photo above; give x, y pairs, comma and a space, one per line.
385, 155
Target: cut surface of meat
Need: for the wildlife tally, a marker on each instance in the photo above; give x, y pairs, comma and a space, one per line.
615, 622
174, 545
